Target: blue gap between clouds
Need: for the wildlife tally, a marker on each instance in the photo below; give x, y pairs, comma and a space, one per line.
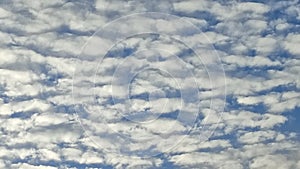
22, 115
292, 124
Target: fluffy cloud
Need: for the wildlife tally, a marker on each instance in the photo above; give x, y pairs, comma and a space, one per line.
156, 99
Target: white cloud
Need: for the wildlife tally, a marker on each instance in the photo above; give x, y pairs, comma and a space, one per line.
243, 61
47, 155
206, 160
265, 44
25, 165
38, 56
254, 7
190, 6
268, 162
256, 137
291, 43
4, 13
244, 119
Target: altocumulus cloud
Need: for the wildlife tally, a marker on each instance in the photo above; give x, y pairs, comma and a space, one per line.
150, 102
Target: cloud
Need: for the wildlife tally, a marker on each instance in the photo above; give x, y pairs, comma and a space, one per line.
152, 101
290, 43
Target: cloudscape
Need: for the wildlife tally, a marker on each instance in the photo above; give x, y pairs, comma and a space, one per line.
106, 84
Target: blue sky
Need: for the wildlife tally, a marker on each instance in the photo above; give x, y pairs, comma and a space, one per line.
150, 84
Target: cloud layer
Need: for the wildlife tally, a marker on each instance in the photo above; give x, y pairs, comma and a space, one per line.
148, 90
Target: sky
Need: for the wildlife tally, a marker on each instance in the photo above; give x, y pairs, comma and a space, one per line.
150, 84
